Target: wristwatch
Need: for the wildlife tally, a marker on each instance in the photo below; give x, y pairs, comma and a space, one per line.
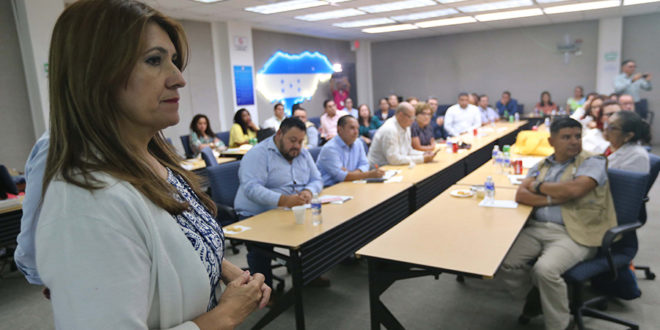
537, 187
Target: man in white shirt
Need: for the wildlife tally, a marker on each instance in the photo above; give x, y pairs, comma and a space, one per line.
392, 143
462, 117
277, 118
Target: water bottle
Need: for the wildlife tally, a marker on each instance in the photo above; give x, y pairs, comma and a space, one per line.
496, 153
547, 123
506, 159
317, 217
490, 189
517, 117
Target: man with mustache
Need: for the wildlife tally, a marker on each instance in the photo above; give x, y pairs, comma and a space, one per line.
278, 172
573, 209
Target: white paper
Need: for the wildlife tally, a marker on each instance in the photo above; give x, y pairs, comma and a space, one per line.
395, 179
499, 204
187, 167
325, 199
516, 179
236, 229
390, 173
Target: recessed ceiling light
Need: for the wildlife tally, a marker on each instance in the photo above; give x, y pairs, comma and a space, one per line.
390, 28
330, 14
581, 6
398, 5
364, 22
446, 21
637, 2
425, 15
495, 5
509, 14
286, 6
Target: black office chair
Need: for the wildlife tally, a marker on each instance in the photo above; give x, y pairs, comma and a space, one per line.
7, 185
614, 257
208, 157
265, 133
653, 174
185, 140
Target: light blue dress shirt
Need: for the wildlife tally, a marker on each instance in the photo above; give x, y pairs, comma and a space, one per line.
312, 136
265, 175
623, 84
335, 156
24, 256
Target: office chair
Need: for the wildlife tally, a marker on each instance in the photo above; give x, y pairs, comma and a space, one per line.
316, 121
224, 137
314, 152
185, 140
653, 174
7, 184
208, 157
611, 263
224, 182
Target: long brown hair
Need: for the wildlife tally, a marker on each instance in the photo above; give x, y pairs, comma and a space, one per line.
94, 48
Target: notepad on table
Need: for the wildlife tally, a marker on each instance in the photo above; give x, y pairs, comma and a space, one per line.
334, 199
499, 204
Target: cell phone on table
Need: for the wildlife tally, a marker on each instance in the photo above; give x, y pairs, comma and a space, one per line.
374, 180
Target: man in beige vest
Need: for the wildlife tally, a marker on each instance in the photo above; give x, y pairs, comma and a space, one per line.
573, 208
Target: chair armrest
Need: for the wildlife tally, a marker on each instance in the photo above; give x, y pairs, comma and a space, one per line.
608, 239
226, 215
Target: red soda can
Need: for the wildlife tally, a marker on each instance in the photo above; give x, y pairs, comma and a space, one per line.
475, 132
518, 166
454, 147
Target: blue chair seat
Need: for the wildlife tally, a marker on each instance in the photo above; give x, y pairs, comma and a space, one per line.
224, 137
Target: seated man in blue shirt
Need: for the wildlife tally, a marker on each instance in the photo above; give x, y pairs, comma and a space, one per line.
506, 103
278, 172
341, 159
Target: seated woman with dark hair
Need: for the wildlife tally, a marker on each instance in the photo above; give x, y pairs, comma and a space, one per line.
382, 114
366, 124
202, 136
625, 131
243, 130
546, 105
592, 130
421, 131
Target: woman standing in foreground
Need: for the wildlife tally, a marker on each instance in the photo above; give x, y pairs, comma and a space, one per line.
126, 239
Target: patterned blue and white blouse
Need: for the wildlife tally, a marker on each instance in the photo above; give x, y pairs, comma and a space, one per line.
202, 231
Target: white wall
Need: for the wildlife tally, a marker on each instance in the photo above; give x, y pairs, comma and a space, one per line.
641, 42
200, 94
16, 129
266, 43
524, 61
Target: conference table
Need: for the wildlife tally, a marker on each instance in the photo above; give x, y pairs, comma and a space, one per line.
501, 179
430, 179
447, 235
10, 221
194, 164
374, 209
313, 250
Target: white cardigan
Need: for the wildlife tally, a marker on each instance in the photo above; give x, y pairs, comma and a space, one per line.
630, 157
114, 260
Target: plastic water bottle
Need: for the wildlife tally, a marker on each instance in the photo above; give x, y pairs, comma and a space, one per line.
517, 117
490, 189
496, 153
547, 123
317, 217
506, 159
